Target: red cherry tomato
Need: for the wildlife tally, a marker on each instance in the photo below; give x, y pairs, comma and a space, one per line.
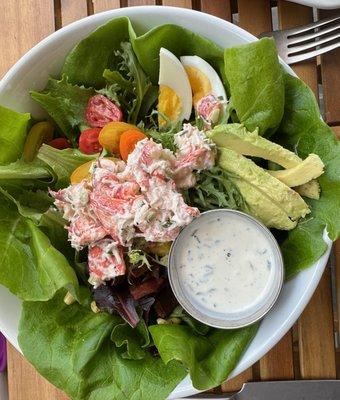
100, 111
88, 141
60, 143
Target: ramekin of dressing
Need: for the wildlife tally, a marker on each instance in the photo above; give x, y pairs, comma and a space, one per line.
226, 269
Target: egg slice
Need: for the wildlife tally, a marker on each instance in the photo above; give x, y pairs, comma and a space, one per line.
203, 78
174, 98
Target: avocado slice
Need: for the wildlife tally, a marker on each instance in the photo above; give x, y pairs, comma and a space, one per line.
310, 189
262, 207
310, 168
237, 138
282, 195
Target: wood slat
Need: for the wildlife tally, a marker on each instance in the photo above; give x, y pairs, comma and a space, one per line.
316, 340
255, 18
25, 27
22, 27
177, 3
315, 326
336, 130
278, 363
330, 67
291, 15
105, 5
235, 384
72, 10
132, 3
24, 382
219, 8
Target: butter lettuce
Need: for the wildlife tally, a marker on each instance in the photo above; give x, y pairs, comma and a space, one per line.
13, 129
31, 268
86, 63
21, 173
304, 132
71, 347
209, 359
180, 42
256, 84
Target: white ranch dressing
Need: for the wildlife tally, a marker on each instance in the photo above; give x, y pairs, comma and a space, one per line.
225, 266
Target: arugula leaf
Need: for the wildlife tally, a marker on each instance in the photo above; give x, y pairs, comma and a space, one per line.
64, 343
130, 81
21, 173
303, 131
31, 268
134, 340
210, 359
13, 129
65, 103
86, 63
256, 85
214, 189
180, 42
62, 162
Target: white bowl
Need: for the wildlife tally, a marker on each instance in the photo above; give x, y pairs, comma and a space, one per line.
46, 58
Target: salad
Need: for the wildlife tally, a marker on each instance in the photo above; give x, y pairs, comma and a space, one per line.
142, 134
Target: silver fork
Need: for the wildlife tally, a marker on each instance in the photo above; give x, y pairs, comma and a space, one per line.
308, 41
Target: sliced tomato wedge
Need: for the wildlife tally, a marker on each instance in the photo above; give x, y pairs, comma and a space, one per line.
88, 141
60, 143
100, 111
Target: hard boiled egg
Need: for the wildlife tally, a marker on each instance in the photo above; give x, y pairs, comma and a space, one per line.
175, 98
204, 80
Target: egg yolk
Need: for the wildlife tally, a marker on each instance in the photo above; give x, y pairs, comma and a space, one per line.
199, 83
169, 104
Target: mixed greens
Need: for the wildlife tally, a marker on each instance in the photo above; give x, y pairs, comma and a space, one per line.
126, 339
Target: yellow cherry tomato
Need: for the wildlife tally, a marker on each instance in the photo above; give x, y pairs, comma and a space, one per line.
110, 134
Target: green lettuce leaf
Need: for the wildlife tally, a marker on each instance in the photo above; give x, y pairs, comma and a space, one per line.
21, 173
180, 42
86, 63
210, 359
303, 131
130, 82
31, 268
65, 103
30, 204
256, 85
134, 340
13, 129
62, 162
71, 347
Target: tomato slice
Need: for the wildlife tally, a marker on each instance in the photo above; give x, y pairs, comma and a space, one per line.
100, 111
60, 143
88, 141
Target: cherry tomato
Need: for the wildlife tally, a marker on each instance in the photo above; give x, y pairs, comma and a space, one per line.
88, 141
60, 143
100, 111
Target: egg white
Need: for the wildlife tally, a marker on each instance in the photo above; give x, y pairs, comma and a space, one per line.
173, 75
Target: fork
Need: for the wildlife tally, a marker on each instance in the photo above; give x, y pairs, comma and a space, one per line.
308, 41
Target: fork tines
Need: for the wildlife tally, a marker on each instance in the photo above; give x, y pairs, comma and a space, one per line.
307, 41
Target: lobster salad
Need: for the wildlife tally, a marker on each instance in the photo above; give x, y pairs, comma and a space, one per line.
138, 138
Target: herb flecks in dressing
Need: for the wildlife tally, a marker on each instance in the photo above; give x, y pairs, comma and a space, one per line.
226, 264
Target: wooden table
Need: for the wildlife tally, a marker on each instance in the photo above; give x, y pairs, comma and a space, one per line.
307, 351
